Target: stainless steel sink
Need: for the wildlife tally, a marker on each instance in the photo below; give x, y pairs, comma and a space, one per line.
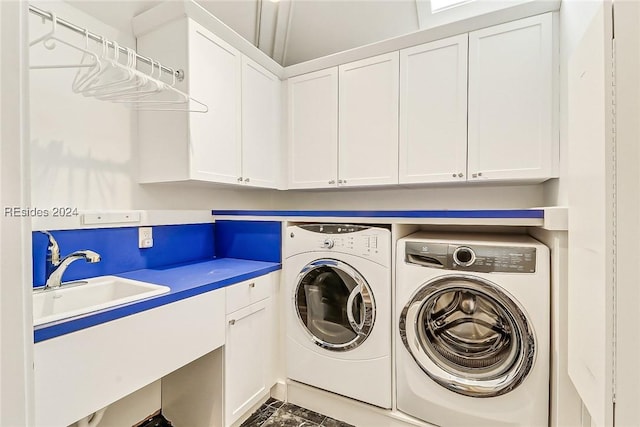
90, 295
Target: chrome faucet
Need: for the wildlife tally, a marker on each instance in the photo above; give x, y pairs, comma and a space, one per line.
55, 278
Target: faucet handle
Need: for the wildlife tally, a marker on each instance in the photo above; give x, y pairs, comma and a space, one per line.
53, 248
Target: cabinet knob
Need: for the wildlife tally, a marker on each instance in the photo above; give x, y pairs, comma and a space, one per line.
252, 285
246, 180
479, 173
333, 181
339, 181
232, 322
460, 175
454, 175
474, 175
239, 179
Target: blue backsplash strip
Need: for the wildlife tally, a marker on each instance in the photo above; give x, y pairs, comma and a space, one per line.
253, 240
118, 248
502, 213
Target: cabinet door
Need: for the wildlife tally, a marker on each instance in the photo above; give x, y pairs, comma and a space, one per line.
248, 351
512, 129
433, 112
214, 78
261, 148
313, 129
368, 125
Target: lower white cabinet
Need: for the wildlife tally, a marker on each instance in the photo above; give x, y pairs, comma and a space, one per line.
247, 361
251, 343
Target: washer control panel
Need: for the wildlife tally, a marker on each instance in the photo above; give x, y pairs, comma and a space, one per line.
365, 241
473, 258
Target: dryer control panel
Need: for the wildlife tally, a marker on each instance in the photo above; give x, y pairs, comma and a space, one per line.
365, 241
473, 257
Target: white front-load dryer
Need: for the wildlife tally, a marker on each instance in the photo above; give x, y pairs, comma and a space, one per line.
338, 309
472, 338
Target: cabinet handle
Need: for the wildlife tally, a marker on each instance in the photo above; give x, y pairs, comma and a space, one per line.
333, 181
239, 179
246, 180
252, 285
479, 173
232, 322
339, 181
474, 175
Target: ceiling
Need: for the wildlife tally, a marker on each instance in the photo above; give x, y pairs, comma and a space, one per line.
294, 31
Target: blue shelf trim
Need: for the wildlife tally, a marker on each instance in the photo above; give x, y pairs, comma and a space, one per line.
459, 214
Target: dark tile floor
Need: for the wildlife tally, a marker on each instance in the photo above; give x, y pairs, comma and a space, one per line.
274, 413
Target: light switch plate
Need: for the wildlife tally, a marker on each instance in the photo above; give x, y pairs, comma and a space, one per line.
145, 237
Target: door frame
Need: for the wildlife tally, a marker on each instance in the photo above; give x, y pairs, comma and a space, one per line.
16, 324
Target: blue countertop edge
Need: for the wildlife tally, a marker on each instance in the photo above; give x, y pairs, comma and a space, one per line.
234, 271
481, 213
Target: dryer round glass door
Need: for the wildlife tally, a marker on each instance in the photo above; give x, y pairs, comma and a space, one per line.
334, 304
468, 335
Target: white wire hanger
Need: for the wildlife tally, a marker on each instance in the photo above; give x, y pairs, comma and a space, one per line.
109, 78
49, 41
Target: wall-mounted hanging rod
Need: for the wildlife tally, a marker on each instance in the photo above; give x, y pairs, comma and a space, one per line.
46, 15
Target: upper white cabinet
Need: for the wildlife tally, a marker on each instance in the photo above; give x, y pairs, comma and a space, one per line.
433, 112
313, 129
345, 137
215, 136
237, 140
261, 139
368, 121
513, 132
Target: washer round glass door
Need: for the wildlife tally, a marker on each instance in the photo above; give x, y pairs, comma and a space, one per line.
468, 335
334, 304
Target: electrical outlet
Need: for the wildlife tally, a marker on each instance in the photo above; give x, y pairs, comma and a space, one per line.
145, 237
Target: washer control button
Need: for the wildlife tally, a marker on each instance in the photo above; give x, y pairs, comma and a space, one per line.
464, 256
328, 243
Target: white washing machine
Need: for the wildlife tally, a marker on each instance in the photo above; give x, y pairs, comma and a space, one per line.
472, 339
338, 290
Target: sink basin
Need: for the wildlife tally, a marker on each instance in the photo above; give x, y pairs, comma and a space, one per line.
89, 295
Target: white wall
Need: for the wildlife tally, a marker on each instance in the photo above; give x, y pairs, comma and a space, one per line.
435, 197
128, 410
